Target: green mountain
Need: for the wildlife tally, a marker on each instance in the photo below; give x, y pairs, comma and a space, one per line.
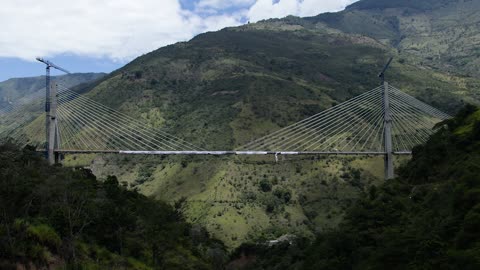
441, 33
223, 89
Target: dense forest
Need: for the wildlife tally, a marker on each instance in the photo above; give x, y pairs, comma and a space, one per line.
61, 217
427, 218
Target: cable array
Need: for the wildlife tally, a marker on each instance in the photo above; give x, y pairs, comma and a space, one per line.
413, 120
85, 124
353, 126
357, 126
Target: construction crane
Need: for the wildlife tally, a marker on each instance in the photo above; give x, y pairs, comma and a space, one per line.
50, 120
47, 85
50, 65
382, 74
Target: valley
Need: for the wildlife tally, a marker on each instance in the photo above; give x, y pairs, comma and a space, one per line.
224, 89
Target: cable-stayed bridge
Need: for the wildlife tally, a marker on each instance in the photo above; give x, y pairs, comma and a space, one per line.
383, 121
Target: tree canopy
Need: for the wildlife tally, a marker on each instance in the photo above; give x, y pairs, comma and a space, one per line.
53, 216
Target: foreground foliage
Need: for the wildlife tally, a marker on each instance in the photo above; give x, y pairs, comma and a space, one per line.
53, 216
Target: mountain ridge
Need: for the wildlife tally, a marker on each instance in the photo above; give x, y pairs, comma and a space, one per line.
16, 88
442, 34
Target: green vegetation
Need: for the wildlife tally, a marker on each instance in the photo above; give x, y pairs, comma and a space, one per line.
428, 218
225, 194
60, 217
418, 6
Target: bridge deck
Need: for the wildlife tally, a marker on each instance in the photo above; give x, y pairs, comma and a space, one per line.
224, 153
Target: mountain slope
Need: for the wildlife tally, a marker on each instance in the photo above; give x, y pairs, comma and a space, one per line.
443, 34
239, 81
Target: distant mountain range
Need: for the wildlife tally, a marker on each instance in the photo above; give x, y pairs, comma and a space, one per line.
16, 88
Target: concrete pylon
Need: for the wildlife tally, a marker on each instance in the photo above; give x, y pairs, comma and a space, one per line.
52, 129
389, 169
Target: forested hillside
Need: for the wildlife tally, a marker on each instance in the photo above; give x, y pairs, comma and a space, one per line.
61, 217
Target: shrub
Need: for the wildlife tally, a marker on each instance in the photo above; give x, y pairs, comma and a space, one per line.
44, 234
265, 185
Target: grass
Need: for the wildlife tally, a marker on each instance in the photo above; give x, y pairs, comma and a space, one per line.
219, 191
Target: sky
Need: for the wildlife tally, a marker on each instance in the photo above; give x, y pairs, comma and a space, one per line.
104, 35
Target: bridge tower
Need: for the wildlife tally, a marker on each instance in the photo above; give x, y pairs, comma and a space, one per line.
387, 119
52, 138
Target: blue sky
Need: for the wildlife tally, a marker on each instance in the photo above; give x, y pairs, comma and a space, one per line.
103, 35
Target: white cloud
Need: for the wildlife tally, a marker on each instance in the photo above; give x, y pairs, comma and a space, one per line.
222, 4
265, 9
124, 29
118, 29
